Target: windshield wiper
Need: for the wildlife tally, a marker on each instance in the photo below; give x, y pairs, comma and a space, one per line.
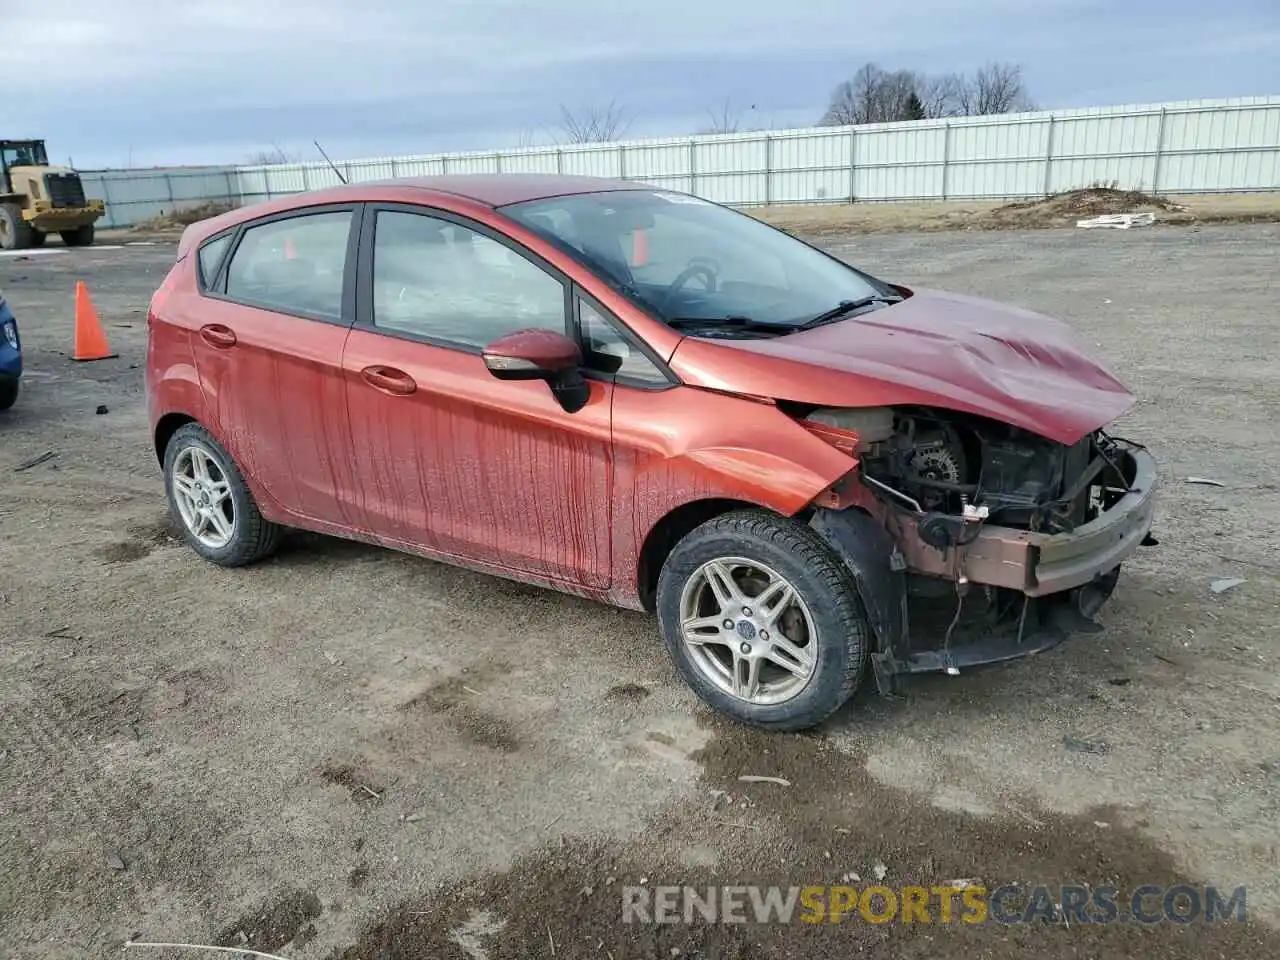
736, 322
845, 307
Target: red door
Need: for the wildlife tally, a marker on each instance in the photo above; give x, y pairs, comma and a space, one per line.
452, 460
268, 345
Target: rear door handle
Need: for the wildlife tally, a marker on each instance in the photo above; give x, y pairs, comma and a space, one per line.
216, 335
389, 380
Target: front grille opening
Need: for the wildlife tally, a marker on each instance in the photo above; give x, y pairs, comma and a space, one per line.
65, 189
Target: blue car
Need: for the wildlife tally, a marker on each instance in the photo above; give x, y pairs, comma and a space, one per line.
10, 356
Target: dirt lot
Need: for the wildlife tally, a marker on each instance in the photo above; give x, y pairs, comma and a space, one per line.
348, 753
831, 221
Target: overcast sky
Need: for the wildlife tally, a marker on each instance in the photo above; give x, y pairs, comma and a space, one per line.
149, 82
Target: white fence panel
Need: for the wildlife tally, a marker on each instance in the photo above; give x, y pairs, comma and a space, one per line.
1197, 146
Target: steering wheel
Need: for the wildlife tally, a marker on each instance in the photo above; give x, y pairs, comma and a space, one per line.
703, 267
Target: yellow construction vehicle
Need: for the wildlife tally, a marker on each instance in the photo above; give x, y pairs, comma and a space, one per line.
37, 199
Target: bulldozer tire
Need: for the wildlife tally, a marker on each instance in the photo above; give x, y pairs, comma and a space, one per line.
38, 237
15, 233
79, 237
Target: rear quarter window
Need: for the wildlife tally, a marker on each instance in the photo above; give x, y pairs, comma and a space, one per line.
210, 258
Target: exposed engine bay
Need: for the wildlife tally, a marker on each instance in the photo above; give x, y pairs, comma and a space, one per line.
957, 470
962, 501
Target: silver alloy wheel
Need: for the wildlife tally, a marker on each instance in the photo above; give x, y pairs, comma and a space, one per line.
748, 631
203, 495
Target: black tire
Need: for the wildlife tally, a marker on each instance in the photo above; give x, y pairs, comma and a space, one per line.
38, 238
15, 233
8, 393
253, 538
820, 579
79, 237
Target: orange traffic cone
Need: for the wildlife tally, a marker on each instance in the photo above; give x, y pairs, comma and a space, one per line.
639, 249
91, 342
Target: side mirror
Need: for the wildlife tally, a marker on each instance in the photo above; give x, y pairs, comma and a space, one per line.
536, 354
532, 355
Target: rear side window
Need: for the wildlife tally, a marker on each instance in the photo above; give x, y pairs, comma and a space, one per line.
211, 255
295, 265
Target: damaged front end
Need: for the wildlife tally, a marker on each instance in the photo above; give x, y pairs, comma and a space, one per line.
972, 541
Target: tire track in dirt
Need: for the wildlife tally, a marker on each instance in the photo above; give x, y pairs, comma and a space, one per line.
108, 832
832, 824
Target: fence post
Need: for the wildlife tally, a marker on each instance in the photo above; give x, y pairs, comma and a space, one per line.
1048, 158
497, 162
559, 160
168, 185
946, 156
853, 164
622, 162
395, 169
233, 194
693, 167
768, 169
1155, 174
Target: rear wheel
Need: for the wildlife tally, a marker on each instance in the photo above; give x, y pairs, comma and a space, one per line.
8, 394
763, 620
211, 502
38, 237
79, 237
15, 233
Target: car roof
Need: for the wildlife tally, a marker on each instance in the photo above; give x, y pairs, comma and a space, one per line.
500, 189
484, 189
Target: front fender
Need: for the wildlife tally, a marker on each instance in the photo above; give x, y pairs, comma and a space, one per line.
676, 447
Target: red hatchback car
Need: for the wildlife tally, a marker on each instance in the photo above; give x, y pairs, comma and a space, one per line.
641, 397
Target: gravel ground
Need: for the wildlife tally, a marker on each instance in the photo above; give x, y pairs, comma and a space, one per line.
349, 753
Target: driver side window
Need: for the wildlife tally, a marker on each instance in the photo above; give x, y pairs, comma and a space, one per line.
439, 280
606, 350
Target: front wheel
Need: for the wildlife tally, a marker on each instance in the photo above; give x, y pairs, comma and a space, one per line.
79, 237
8, 393
763, 620
211, 502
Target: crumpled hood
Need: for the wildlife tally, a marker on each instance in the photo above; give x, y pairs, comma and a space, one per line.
938, 349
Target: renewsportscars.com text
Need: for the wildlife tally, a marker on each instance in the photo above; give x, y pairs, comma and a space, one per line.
1009, 904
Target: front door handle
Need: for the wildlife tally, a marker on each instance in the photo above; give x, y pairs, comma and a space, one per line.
389, 380
216, 335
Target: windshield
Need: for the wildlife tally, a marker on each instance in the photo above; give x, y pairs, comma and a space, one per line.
691, 262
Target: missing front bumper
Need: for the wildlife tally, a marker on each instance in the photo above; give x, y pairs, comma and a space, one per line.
1040, 588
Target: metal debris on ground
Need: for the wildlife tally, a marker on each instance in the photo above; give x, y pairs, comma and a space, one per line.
751, 778
1118, 221
1206, 481
1225, 584
28, 464
1078, 745
236, 951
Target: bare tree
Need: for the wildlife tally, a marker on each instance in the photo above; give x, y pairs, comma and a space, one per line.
994, 88
722, 119
594, 124
940, 95
875, 95
272, 157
